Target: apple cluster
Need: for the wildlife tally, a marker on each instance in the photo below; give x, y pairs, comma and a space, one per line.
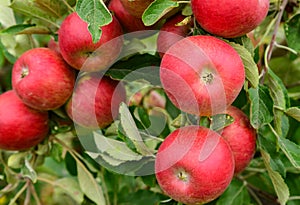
202, 75
47, 78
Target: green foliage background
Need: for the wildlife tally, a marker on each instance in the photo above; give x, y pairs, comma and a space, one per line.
59, 171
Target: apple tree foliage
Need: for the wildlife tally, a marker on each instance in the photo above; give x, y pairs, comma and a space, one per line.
111, 170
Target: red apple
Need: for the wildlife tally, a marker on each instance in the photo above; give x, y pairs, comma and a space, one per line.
42, 79
194, 165
241, 137
202, 75
136, 7
129, 22
77, 47
172, 31
21, 127
229, 19
95, 101
53, 45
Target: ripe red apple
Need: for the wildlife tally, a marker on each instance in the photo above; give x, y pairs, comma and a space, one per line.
95, 101
229, 19
53, 45
194, 165
42, 79
21, 127
202, 75
241, 137
172, 31
129, 22
136, 7
79, 51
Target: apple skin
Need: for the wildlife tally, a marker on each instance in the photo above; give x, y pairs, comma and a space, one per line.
194, 165
42, 79
229, 19
95, 101
136, 7
129, 22
170, 33
202, 75
241, 137
79, 51
21, 127
53, 45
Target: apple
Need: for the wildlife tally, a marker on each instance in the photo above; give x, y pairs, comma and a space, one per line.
53, 45
202, 75
79, 51
194, 165
172, 31
129, 22
21, 127
229, 19
241, 137
136, 7
42, 79
95, 101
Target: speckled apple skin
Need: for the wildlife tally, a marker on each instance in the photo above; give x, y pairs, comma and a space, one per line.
241, 137
229, 19
202, 75
203, 156
21, 127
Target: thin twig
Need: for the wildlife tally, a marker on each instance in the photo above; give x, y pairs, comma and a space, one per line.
294, 198
28, 194
276, 27
35, 195
20, 192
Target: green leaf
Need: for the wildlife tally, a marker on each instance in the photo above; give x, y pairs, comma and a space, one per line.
279, 94
56, 8
220, 121
251, 68
29, 172
180, 121
282, 190
16, 29
131, 131
89, 185
156, 10
17, 160
96, 14
291, 150
70, 186
114, 148
187, 10
32, 9
12, 59
293, 112
137, 67
235, 194
278, 91
7, 17
260, 106
292, 32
